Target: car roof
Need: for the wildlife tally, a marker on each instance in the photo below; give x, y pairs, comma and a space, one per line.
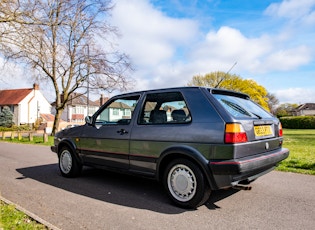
211, 90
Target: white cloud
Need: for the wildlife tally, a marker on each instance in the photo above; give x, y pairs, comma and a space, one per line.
222, 48
295, 10
155, 42
149, 36
288, 59
296, 95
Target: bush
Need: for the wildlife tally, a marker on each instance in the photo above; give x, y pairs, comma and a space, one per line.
6, 117
299, 122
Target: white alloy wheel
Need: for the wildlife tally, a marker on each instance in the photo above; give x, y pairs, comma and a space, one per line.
65, 161
182, 182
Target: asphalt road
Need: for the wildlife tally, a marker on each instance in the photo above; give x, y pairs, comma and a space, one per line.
29, 177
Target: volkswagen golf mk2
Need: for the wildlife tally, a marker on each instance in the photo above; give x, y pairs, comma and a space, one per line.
192, 139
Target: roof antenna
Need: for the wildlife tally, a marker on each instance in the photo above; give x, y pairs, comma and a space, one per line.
225, 75
231, 68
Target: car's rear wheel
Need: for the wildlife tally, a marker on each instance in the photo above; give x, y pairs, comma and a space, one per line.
68, 164
185, 183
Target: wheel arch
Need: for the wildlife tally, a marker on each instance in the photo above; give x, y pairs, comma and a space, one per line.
188, 153
69, 144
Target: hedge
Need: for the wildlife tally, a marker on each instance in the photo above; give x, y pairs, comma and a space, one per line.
298, 122
16, 128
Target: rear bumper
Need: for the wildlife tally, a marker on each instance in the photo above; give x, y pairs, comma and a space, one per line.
230, 172
248, 164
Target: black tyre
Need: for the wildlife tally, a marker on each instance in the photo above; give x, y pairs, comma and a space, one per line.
68, 164
186, 184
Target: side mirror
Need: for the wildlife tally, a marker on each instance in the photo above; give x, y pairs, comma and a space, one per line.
88, 120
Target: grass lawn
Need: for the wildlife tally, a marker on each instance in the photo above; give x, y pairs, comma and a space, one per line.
37, 140
10, 218
301, 143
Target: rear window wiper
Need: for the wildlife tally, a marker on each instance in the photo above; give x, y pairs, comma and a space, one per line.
236, 107
259, 117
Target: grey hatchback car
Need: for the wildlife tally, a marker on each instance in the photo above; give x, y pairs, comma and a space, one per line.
192, 139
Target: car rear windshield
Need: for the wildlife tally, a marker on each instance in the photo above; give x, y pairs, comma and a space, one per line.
241, 106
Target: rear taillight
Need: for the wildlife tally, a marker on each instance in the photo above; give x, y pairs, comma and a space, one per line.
234, 133
280, 130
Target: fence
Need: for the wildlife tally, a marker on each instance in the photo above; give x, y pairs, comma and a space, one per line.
20, 134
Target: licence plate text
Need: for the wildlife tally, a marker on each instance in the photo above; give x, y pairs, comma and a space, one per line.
263, 130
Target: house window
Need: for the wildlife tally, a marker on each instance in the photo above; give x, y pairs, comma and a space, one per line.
78, 110
11, 107
127, 112
116, 112
92, 110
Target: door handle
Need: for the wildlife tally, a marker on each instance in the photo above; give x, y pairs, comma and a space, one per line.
122, 131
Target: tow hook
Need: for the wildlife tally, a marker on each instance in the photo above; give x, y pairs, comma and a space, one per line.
242, 187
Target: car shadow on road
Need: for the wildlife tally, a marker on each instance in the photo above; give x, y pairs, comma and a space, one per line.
121, 189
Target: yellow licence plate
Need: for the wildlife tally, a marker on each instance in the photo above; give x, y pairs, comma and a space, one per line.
263, 130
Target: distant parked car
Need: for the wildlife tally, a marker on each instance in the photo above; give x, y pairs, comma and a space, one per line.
71, 126
192, 139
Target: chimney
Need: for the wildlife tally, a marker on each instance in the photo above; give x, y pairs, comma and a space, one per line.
35, 86
102, 100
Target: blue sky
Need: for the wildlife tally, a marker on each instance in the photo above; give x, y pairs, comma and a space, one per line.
170, 41
272, 42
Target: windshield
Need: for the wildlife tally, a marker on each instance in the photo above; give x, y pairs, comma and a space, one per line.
241, 107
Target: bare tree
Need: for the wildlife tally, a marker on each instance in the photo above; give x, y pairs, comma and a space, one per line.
273, 102
66, 42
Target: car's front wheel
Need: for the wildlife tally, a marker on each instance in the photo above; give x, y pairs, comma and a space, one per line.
185, 183
68, 164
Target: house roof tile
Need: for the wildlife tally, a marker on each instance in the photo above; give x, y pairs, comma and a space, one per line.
13, 96
306, 106
119, 105
80, 99
47, 117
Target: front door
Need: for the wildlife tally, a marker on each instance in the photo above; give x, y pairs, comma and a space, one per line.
105, 141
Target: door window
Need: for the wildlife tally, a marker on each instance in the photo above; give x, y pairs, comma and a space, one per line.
119, 111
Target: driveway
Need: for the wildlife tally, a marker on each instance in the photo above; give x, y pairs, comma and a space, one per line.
29, 177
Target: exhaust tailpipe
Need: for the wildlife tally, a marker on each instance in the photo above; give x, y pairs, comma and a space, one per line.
242, 187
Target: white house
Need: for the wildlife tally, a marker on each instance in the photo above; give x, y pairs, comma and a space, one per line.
77, 108
25, 104
307, 109
116, 111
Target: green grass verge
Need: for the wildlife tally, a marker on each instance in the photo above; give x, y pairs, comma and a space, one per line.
37, 140
11, 218
301, 143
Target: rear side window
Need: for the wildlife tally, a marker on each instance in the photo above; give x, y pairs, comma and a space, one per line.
164, 108
241, 107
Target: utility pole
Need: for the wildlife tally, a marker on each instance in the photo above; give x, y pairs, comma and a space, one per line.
88, 82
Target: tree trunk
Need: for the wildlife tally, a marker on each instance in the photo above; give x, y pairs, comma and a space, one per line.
57, 121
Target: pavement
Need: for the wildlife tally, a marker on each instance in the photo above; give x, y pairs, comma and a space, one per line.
30, 178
